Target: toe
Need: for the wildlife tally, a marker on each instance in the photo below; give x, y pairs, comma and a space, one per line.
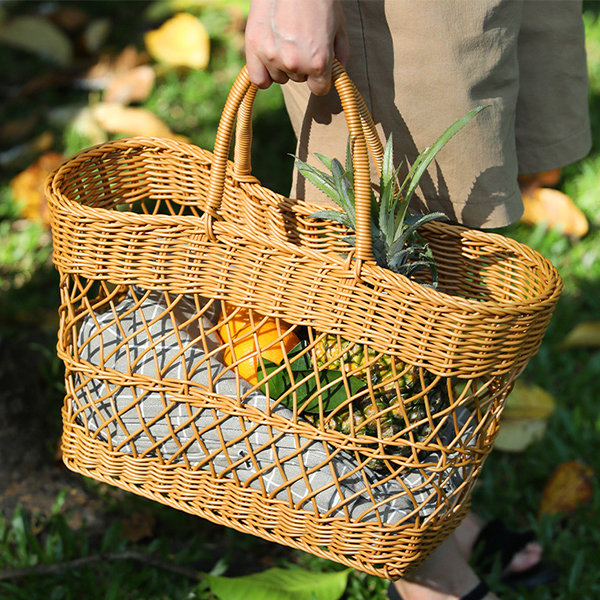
526, 558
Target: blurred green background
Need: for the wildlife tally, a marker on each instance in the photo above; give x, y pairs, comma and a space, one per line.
68, 69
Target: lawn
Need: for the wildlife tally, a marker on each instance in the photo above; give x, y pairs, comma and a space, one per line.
65, 537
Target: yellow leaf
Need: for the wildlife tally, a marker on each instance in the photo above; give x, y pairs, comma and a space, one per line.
28, 187
569, 486
556, 210
528, 406
130, 121
180, 41
528, 401
85, 124
38, 36
535, 180
515, 435
584, 334
131, 86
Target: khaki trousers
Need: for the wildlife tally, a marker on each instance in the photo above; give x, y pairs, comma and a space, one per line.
422, 64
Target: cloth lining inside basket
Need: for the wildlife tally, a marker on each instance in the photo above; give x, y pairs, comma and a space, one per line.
142, 335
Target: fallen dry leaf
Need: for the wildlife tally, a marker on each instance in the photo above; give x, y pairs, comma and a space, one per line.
182, 41
528, 401
527, 409
28, 187
116, 118
569, 486
556, 210
582, 335
515, 435
125, 77
138, 525
39, 36
85, 124
134, 85
536, 180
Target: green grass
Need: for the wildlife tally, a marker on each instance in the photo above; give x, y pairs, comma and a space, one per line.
511, 484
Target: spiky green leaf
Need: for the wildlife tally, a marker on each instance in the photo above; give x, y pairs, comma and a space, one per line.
430, 153
349, 163
333, 215
320, 180
396, 242
324, 159
343, 188
388, 192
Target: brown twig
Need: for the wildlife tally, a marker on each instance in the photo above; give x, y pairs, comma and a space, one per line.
54, 568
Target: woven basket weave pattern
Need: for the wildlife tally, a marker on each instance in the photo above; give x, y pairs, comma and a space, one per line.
146, 255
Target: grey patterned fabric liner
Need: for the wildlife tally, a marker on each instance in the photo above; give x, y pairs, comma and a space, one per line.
151, 423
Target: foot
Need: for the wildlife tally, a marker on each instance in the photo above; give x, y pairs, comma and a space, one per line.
445, 575
466, 536
414, 591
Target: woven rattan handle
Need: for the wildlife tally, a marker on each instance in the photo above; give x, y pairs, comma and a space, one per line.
362, 136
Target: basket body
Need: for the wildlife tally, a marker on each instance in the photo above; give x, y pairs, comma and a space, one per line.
152, 408
227, 354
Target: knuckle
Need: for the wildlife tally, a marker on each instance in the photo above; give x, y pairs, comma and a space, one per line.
319, 64
290, 62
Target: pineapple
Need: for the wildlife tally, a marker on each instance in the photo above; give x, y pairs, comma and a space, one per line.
381, 416
398, 246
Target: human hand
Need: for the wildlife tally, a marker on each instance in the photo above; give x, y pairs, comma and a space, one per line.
295, 39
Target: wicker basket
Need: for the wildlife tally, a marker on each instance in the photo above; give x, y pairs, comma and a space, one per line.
161, 245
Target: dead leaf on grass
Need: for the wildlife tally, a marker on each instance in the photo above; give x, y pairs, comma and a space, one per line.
85, 124
545, 178
138, 526
181, 41
131, 121
556, 210
569, 486
528, 401
131, 86
583, 335
126, 77
28, 187
524, 418
39, 36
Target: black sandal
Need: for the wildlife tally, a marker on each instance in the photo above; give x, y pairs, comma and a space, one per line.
497, 544
477, 593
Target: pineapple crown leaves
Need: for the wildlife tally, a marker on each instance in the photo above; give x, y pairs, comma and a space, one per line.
339, 186
396, 242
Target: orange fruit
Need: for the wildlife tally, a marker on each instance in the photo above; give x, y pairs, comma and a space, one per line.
241, 341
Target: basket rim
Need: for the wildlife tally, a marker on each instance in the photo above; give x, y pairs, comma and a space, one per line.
436, 298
